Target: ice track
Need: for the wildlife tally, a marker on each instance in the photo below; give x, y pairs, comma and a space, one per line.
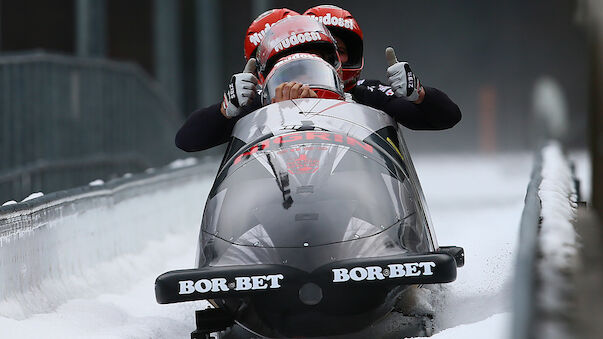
475, 202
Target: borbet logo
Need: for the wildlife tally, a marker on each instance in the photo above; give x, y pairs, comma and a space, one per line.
278, 141
295, 39
329, 20
258, 282
378, 273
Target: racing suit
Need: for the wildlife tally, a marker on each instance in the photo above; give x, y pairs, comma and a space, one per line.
207, 127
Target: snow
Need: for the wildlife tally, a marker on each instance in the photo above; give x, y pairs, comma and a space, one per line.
112, 300
475, 200
183, 162
97, 182
10, 202
476, 203
495, 326
33, 196
558, 240
91, 274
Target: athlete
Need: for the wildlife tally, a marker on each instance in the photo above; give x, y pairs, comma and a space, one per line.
411, 104
212, 126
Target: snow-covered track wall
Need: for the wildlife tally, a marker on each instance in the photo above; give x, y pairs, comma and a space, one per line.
51, 244
547, 257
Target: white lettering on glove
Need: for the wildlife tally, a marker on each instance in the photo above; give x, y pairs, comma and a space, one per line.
241, 90
401, 78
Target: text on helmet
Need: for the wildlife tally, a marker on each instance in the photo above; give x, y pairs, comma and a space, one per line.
295, 39
329, 20
296, 56
256, 38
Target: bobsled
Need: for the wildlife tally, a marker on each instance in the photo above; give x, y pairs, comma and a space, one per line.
316, 226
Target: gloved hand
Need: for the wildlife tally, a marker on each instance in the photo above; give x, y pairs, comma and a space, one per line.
403, 81
241, 91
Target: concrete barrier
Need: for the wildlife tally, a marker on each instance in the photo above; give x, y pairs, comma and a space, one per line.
547, 253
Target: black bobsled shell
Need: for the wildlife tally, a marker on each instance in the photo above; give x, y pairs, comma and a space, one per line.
316, 217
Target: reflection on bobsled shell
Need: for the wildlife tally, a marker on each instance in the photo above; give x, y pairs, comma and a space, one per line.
331, 208
255, 247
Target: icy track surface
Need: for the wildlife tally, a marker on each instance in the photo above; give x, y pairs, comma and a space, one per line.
475, 201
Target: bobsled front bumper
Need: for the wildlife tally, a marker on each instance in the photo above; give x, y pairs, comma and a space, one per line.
326, 282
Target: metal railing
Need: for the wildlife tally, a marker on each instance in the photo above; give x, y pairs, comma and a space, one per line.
65, 121
68, 232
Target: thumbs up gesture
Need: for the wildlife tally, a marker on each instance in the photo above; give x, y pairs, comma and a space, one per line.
403, 81
241, 91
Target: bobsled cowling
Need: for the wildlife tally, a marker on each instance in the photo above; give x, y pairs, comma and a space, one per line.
316, 217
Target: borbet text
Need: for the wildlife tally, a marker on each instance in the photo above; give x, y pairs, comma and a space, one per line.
259, 282
392, 271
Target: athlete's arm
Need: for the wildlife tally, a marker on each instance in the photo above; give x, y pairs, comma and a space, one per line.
203, 129
435, 112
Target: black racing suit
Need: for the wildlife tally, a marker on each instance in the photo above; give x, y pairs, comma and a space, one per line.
207, 127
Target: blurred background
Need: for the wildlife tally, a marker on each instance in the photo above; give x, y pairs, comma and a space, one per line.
97, 89
91, 88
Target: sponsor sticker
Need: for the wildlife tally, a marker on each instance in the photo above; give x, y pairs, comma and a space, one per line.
295, 39
302, 137
258, 282
392, 271
296, 56
329, 20
303, 165
256, 38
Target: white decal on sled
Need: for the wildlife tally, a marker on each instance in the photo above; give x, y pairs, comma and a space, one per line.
259, 282
378, 273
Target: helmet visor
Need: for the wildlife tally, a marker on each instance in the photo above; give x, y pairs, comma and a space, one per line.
303, 68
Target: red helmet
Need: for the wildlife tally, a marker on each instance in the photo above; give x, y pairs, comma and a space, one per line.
260, 25
343, 25
296, 34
